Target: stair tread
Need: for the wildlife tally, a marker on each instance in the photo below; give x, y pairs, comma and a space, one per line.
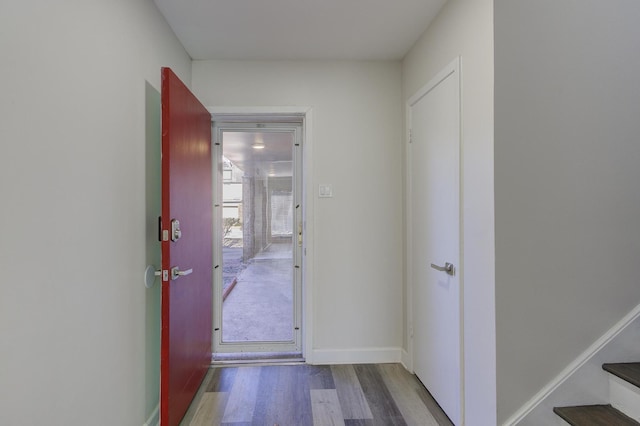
629, 371
594, 415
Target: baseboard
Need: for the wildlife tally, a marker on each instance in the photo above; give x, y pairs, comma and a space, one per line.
581, 360
406, 360
357, 356
154, 418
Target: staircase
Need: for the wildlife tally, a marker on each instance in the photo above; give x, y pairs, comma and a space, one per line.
624, 394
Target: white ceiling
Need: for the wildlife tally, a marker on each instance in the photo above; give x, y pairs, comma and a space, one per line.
299, 29
274, 160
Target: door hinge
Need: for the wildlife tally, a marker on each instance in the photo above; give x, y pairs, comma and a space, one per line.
410, 136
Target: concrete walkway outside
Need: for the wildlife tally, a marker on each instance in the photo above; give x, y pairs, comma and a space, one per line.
260, 307
232, 265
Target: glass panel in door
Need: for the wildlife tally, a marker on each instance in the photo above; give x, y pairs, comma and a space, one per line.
258, 235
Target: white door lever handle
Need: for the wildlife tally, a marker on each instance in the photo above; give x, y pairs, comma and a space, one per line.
177, 273
448, 268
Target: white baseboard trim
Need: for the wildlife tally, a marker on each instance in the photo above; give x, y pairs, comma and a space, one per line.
154, 418
357, 356
581, 360
406, 360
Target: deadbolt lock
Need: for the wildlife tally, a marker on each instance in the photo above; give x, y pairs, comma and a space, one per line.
176, 233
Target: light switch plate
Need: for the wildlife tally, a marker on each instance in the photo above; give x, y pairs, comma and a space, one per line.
325, 190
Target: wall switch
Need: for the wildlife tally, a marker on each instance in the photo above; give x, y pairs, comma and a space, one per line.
325, 190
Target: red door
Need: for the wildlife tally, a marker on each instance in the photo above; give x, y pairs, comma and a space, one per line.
186, 224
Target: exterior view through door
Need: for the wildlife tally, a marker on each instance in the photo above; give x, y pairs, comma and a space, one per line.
258, 230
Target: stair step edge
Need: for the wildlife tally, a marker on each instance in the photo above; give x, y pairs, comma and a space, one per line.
594, 415
627, 371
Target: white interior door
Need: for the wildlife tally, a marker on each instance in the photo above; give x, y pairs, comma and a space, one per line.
434, 160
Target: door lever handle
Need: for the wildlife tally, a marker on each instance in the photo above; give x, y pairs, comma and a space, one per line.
177, 273
448, 268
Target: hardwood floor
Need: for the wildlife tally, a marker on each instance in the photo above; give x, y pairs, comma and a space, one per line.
301, 395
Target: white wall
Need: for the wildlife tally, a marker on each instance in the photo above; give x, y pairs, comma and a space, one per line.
356, 242
566, 171
465, 28
73, 305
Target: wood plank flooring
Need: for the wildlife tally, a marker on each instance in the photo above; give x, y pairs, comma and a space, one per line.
311, 395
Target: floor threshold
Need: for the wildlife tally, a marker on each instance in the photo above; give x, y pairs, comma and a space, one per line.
261, 358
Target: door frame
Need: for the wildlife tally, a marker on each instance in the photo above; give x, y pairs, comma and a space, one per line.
454, 67
305, 115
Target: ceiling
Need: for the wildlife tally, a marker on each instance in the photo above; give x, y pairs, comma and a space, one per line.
275, 160
299, 29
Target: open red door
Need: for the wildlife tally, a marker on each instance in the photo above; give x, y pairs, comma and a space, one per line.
186, 228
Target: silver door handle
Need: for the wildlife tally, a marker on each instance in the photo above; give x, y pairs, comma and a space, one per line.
448, 268
177, 273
